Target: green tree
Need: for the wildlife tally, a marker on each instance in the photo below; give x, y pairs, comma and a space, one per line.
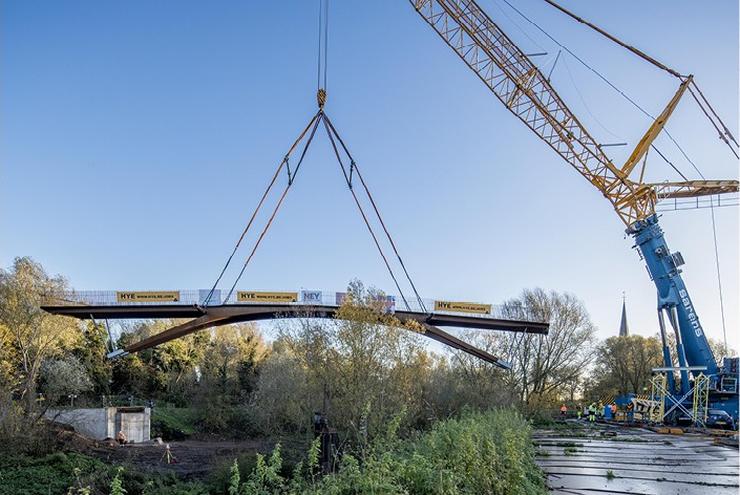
624, 364
90, 349
33, 334
359, 369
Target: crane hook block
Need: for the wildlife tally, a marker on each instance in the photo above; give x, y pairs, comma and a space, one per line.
321, 97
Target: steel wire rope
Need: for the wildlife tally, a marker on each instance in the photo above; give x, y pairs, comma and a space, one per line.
317, 118
364, 217
722, 135
661, 66
257, 209
727, 131
377, 213
606, 80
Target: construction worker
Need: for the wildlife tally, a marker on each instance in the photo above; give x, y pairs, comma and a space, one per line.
121, 438
592, 413
630, 411
579, 411
563, 411
614, 411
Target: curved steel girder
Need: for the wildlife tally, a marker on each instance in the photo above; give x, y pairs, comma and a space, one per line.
228, 314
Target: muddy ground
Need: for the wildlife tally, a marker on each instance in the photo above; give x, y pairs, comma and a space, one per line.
579, 459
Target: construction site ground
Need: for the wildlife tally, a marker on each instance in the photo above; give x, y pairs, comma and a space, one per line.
583, 459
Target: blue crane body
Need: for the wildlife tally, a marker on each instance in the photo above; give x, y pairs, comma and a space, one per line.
674, 302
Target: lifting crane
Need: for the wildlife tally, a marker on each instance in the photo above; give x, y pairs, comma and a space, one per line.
520, 85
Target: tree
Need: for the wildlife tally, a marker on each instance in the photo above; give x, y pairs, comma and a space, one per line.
717, 347
231, 360
624, 364
360, 369
166, 371
33, 334
542, 365
63, 377
90, 350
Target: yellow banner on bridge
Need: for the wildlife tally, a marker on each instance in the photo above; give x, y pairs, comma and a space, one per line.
268, 297
462, 307
148, 296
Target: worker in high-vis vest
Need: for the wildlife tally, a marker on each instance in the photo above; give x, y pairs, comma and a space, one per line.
592, 413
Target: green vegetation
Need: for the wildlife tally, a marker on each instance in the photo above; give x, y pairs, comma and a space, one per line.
77, 474
477, 453
610, 475
174, 423
571, 450
54, 473
459, 433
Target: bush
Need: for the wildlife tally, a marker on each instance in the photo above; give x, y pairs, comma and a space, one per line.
173, 423
55, 473
488, 452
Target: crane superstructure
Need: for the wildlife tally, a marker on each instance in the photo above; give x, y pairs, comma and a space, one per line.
520, 85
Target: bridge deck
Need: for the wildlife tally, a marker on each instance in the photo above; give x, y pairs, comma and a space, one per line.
205, 317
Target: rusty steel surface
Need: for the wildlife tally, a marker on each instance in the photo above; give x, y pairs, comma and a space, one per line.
206, 317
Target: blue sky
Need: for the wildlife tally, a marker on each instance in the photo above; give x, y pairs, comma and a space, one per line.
136, 137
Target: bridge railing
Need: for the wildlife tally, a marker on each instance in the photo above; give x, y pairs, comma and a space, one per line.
302, 297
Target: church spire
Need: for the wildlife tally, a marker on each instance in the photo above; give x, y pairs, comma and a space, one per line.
624, 329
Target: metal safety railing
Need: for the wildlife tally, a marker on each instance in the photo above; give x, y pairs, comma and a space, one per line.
301, 297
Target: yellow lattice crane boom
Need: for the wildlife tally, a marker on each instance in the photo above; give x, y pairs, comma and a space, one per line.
526, 92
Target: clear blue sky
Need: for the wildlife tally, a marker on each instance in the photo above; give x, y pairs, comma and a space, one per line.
135, 137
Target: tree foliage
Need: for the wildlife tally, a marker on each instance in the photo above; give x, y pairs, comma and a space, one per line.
624, 365
28, 334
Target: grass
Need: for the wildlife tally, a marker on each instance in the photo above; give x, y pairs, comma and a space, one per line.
610, 475
570, 450
173, 423
73, 473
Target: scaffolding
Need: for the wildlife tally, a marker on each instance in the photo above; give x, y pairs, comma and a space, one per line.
657, 394
697, 396
701, 399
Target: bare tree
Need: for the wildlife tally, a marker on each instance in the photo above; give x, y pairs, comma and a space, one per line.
541, 365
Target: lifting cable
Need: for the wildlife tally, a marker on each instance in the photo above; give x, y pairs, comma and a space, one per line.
354, 168
315, 121
318, 118
364, 217
333, 135
282, 164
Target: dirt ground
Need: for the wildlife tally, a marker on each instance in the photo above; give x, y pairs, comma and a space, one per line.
189, 459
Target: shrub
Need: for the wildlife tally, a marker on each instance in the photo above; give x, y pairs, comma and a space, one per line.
488, 452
